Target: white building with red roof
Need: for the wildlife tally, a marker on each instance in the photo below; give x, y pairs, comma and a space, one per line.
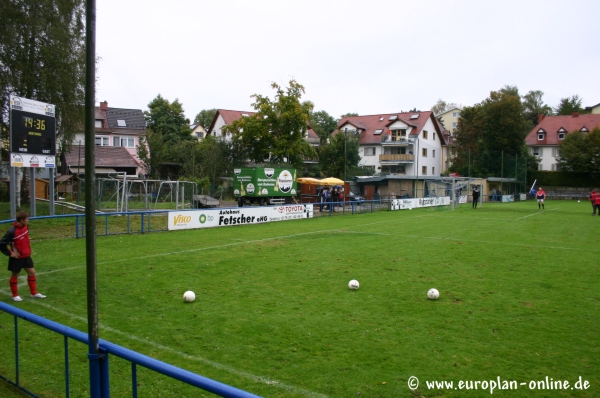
545, 138
406, 144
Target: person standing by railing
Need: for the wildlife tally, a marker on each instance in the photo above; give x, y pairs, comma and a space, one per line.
15, 244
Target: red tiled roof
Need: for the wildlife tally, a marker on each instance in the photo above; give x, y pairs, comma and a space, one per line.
370, 123
106, 156
551, 125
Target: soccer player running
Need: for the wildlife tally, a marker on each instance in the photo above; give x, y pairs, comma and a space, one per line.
540, 195
15, 244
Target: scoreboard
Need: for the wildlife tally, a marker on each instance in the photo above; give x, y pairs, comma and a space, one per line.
32, 133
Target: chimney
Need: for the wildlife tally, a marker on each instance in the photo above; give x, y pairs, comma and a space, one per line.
575, 113
540, 117
104, 105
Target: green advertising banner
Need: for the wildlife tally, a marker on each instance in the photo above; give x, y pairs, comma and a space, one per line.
264, 182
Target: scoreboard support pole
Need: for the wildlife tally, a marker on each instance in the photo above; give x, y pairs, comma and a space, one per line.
13, 192
32, 198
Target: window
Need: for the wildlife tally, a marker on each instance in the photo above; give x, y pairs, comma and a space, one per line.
398, 135
101, 141
555, 167
540, 167
121, 123
433, 136
540, 136
424, 170
425, 134
537, 151
454, 114
424, 152
433, 171
561, 136
98, 123
128, 142
370, 151
393, 117
433, 153
378, 132
454, 124
555, 152
414, 116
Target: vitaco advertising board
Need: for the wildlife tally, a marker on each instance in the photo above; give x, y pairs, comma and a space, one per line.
237, 216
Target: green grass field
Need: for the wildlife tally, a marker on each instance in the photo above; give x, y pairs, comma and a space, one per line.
273, 314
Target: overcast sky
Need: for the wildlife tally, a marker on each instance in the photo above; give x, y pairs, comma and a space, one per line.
368, 57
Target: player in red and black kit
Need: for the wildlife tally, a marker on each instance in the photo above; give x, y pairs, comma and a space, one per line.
540, 195
593, 196
597, 204
15, 244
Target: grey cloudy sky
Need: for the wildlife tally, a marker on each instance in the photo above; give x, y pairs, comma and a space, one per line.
368, 57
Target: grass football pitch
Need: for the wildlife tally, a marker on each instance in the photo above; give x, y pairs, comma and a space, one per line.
519, 305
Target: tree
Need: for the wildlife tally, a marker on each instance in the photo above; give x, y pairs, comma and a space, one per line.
580, 153
42, 57
205, 117
567, 106
168, 119
490, 131
323, 124
331, 154
276, 132
348, 115
533, 106
442, 106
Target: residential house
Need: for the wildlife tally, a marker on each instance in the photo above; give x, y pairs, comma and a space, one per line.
450, 119
402, 147
594, 109
198, 131
118, 127
224, 117
551, 130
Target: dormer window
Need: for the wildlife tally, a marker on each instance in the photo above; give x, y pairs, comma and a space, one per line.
561, 136
584, 130
98, 123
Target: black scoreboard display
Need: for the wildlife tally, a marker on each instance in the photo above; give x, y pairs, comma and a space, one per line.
33, 128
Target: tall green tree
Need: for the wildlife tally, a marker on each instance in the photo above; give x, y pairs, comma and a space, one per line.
42, 57
276, 132
348, 115
169, 119
533, 106
567, 106
490, 131
331, 155
205, 117
323, 124
580, 153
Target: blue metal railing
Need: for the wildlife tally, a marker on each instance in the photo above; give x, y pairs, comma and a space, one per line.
107, 348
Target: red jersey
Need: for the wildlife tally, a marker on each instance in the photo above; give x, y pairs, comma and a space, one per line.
593, 196
540, 194
597, 200
16, 238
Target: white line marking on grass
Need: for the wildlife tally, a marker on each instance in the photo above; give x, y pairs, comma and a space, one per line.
217, 365
472, 241
536, 213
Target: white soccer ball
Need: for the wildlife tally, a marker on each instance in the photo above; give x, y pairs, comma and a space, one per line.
353, 284
433, 294
189, 296
579, 201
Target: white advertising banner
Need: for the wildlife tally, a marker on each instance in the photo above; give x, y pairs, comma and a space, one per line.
237, 216
402, 204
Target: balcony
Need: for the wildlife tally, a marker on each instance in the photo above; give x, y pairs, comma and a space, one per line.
396, 158
395, 141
